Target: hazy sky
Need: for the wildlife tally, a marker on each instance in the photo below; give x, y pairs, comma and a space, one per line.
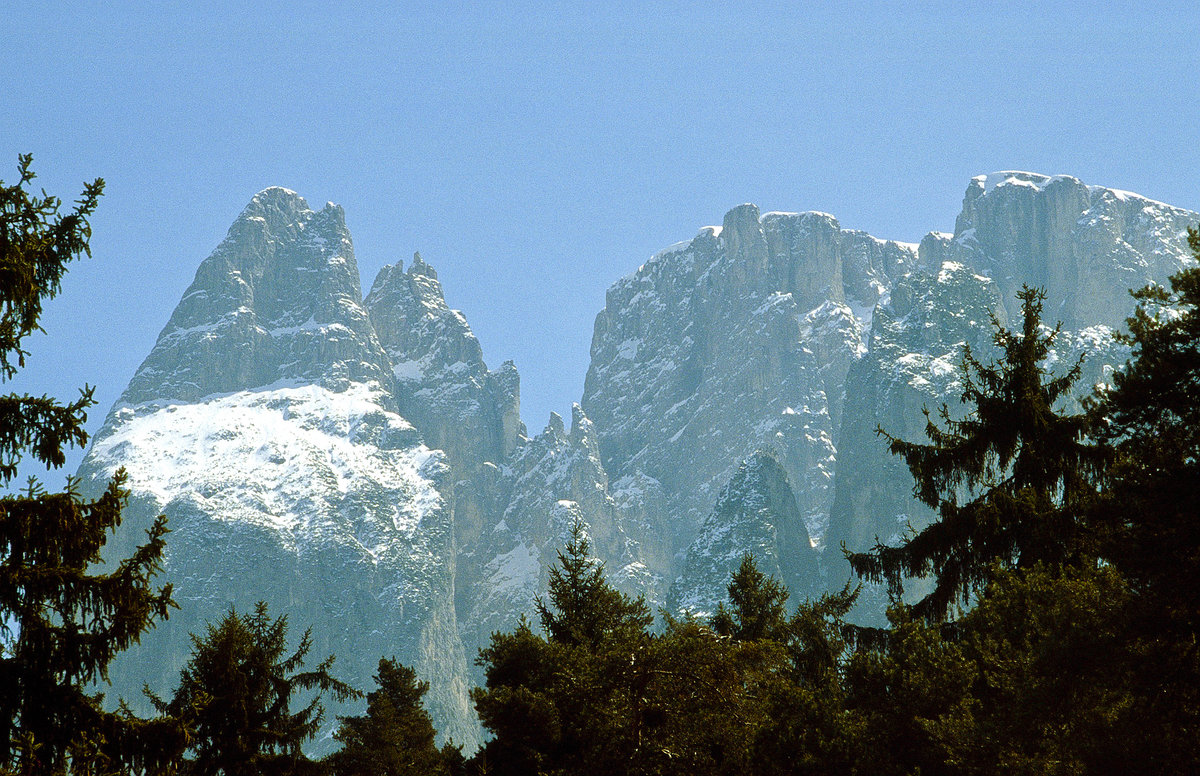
535, 154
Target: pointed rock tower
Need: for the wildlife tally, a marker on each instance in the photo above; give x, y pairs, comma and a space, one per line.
262, 423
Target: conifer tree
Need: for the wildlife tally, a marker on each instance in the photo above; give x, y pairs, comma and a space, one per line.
757, 606
1149, 515
62, 621
1151, 417
1009, 480
572, 701
237, 690
784, 675
1048, 693
896, 692
583, 609
395, 737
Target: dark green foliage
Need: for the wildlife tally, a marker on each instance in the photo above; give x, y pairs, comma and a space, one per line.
1151, 416
758, 606
756, 692
395, 736
237, 690
570, 702
704, 694
1031, 683
898, 692
584, 610
1049, 693
1010, 480
36, 244
805, 725
1150, 511
62, 621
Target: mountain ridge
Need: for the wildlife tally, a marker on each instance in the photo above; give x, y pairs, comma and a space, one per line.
353, 461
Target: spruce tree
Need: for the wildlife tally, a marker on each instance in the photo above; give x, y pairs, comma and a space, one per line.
1009, 480
63, 616
573, 700
237, 690
395, 737
1150, 419
583, 609
757, 606
781, 685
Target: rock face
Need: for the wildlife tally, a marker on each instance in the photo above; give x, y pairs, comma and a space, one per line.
442, 384
911, 362
736, 341
1086, 245
356, 464
755, 513
277, 300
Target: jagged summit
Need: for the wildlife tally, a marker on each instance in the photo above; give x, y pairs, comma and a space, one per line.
419, 267
555, 426
734, 340
278, 300
442, 382
264, 423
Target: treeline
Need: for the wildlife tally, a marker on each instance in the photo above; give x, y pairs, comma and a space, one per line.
1052, 630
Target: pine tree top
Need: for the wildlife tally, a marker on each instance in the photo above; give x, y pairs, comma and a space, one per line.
1008, 479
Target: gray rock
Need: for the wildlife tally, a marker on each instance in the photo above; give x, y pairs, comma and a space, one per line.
1086, 245
755, 513
278, 300
737, 340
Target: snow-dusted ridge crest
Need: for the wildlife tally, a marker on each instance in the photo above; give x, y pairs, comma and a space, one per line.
1039, 181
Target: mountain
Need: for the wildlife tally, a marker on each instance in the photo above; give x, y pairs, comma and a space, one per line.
736, 341
356, 464
265, 424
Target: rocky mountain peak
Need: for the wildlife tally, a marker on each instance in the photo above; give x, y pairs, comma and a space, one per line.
442, 382
583, 431
419, 267
743, 235
555, 427
264, 424
757, 513
414, 324
278, 300
1085, 245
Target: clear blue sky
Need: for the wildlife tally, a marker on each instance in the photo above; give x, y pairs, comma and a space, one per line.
534, 154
